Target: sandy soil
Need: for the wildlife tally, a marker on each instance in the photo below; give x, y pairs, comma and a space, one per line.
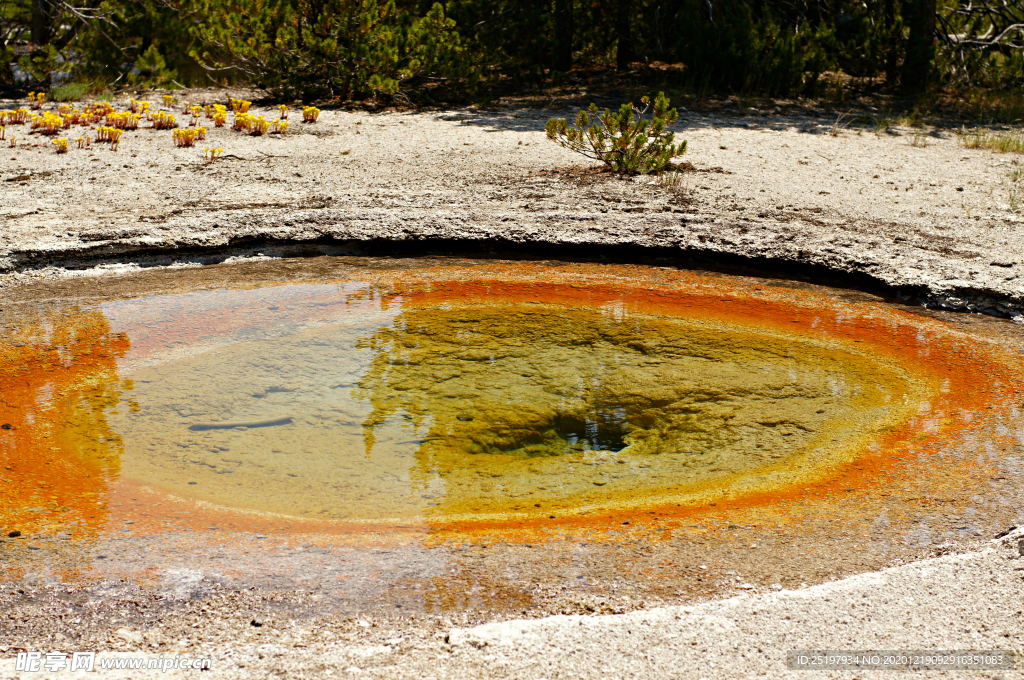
958, 602
933, 223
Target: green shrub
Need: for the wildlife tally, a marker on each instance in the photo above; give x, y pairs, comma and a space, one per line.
72, 92
743, 53
330, 48
624, 141
153, 71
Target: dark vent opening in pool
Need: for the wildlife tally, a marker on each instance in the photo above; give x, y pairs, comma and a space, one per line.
568, 433
604, 431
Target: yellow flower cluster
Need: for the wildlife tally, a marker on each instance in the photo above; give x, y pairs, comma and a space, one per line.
240, 122
109, 134
15, 117
97, 111
111, 124
3, 133
71, 115
124, 120
258, 126
36, 99
164, 121
187, 137
253, 124
219, 114
49, 123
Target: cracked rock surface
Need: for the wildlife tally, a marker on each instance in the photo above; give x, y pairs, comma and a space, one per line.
935, 221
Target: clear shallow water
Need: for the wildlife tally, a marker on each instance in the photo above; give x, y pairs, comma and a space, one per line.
395, 408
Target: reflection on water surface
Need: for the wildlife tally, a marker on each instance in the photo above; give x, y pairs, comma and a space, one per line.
484, 406
60, 384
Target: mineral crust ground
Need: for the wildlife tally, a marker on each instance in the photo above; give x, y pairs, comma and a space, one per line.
896, 552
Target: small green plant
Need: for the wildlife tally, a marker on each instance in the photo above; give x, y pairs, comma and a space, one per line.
920, 140
913, 118
624, 141
1015, 199
675, 182
839, 125
672, 180
72, 92
970, 139
1002, 142
883, 124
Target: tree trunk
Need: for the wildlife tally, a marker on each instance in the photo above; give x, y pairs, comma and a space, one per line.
42, 22
891, 51
624, 33
563, 34
920, 46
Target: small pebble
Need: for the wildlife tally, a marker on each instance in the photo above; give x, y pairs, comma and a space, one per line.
6, 426
14, 534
